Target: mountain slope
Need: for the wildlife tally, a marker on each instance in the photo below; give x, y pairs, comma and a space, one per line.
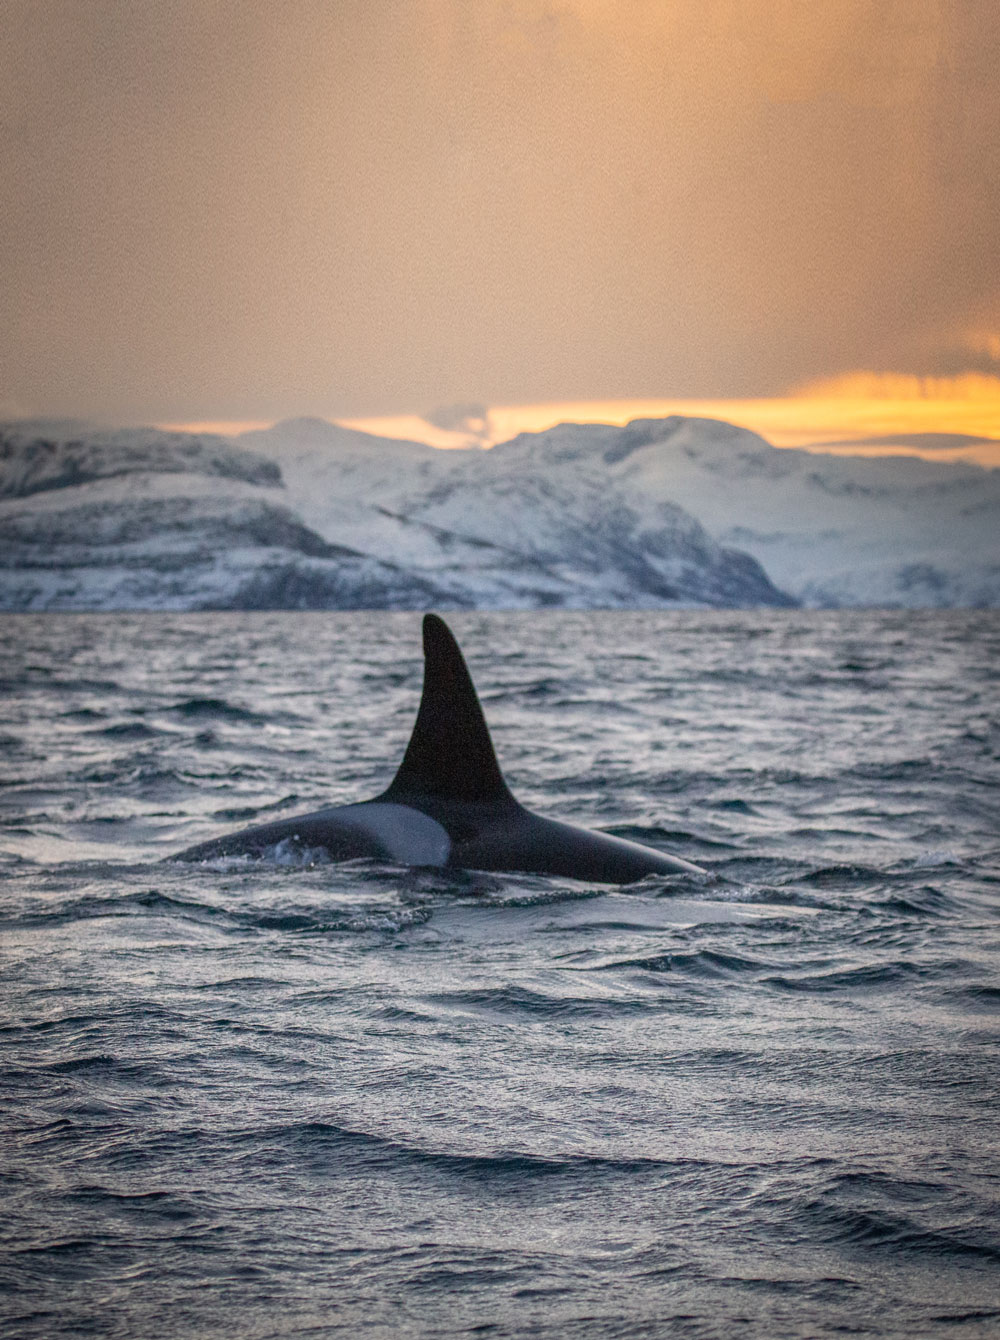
505, 537
171, 521
309, 514
831, 530
36, 459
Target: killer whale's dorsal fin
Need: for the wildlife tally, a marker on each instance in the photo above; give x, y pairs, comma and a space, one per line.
450, 755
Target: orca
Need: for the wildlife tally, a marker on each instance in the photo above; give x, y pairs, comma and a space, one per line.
449, 805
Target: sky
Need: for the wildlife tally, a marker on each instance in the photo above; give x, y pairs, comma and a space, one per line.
944, 419
241, 210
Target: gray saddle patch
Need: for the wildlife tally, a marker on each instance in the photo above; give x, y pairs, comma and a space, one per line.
407, 835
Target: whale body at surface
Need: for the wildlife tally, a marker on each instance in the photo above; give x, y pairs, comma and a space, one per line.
449, 805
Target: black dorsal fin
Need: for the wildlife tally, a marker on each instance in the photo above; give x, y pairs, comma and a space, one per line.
450, 755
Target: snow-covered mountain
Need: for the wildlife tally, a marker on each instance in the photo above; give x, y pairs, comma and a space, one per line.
151, 520
36, 456
829, 529
308, 514
496, 535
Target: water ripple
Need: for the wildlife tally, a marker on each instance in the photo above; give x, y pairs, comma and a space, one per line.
289, 1097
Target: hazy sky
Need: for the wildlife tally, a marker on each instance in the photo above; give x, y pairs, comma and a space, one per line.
252, 208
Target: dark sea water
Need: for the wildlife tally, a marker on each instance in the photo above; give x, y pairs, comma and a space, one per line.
266, 1099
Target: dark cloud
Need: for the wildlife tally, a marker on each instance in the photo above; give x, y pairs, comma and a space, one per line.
235, 208
469, 419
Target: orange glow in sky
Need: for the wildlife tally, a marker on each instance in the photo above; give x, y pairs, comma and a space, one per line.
836, 415
246, 212
842, 412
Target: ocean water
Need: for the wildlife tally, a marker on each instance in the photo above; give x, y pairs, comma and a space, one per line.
282, 1099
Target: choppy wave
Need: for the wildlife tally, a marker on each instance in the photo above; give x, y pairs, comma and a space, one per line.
289, 1097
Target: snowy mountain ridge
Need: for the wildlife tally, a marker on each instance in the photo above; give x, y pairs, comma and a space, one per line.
662, 512
832, 530
33, 460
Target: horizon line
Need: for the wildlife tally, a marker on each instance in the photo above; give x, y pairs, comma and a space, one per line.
823, 418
